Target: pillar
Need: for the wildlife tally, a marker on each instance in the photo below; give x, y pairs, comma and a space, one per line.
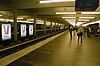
15, 24
55, 27
34, 26
51, 27
44, 27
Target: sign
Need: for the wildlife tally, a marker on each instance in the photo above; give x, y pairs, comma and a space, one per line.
23, 30
6, 31
30, 29
86, 5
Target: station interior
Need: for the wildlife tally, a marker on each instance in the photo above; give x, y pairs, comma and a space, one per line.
49, 32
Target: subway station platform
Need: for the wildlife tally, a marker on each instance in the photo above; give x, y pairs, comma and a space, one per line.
37, 32
62, 51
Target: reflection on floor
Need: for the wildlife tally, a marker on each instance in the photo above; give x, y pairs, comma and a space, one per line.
64, 52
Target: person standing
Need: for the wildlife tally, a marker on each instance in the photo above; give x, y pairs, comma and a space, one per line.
88, 31
79, 34
70, 30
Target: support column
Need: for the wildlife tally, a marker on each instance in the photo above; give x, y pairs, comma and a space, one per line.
58, 26
35, 26
55, 27
51, 27
76, 21
44, 27
15, 24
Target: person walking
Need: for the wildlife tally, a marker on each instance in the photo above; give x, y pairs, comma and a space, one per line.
70, 30
79, 34
88, 31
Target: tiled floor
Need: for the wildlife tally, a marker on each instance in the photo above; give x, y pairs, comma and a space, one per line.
64, 52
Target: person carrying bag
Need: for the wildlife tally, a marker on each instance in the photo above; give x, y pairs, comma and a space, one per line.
79, 34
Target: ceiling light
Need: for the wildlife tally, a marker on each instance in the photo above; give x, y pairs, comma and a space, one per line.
30, 19
65, 12
69, 17
90, 12
1, 19
0, 15
52, 1
88, 17
21, 21
83, 20
9, 20
20, 18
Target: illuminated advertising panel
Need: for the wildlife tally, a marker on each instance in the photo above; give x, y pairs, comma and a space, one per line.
30, 29
6, 31
23, 30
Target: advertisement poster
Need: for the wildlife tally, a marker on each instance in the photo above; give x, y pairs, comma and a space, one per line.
6, 31
23, 30
30, 29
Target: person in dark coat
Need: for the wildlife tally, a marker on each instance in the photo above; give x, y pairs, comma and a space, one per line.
79, 34
70, 30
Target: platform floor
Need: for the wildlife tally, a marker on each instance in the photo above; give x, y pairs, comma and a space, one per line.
64, 52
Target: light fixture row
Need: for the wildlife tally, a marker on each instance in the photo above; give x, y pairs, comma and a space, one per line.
76, 13
54, 1
79, 17
0, 15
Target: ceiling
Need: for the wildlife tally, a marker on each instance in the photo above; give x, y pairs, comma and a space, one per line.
44, 11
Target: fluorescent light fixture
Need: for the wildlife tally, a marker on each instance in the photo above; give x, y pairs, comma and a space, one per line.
20, 18
87, 17
21, 21
48, 23
0, 15
90, 12
69, 17
2, 19
83, 20
53, 1
65, 12
30, 19
59, 24
11, 20
29, 22
53, 23
39, 22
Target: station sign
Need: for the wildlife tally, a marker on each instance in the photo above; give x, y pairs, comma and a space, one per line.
6, 31
30, 29
86, 5
23, 30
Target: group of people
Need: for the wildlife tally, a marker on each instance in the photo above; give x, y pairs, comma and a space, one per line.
79, 32
82, 31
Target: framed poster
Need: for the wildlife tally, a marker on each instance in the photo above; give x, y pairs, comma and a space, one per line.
6, 31
30, 29
23, 30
